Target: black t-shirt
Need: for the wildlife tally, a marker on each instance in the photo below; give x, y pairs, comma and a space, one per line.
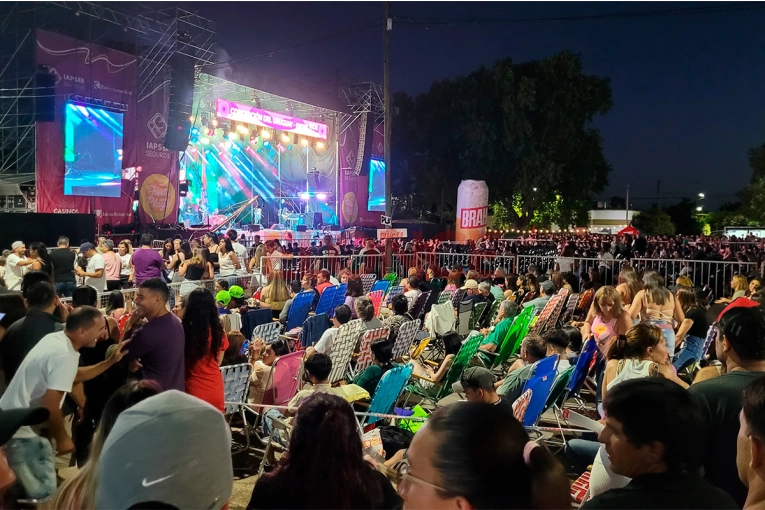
721, 403
273, 492
663, 491
22, 336
63, 265
700, 324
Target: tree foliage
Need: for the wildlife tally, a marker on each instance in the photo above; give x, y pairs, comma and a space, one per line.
684, 218
526, 129
654, 222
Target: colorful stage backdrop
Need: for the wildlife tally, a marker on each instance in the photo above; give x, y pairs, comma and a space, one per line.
95, 72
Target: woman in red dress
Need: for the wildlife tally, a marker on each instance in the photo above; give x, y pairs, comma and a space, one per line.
205, 345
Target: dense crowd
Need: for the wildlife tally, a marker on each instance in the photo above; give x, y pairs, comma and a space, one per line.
131, 387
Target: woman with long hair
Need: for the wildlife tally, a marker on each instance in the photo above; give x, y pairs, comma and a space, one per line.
168, 250
41, 260
531, 288
606, 319
125, 253
205, 344
275, 294
656, 305
210, 243
692, 331
755, 284
227, 258
115, 307
193, 271
182, 254
354, 291
477, 455
234, 355
739, 285
79, 491
326, 461
453, 281
365, 311
629, 284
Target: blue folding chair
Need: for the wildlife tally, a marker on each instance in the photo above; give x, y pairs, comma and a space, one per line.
313, 328
388, 390
299, 309
582, 368
540, 385
381, 285
339, 298
325, 300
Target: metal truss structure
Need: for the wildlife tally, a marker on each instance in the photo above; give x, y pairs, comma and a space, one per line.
362, 99
154, 32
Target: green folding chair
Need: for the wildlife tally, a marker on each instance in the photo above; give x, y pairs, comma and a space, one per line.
517, 333
478, 309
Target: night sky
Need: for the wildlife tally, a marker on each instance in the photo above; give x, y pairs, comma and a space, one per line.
688, 89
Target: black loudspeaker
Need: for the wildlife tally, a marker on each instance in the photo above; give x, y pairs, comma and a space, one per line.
317, 219
181, 99
370, 132
183, 189
45, 100
302, 228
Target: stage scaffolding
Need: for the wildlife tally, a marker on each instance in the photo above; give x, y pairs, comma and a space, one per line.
155, 32
362, 99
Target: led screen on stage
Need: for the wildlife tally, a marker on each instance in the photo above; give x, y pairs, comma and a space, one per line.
92, 151
376, 186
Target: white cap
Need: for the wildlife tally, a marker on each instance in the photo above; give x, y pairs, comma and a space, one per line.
17, 244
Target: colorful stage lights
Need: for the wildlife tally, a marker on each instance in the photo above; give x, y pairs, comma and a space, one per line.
319, 195
285, 137
266, 143
242, 129
265, 134
319, 145
304, 142
204, 140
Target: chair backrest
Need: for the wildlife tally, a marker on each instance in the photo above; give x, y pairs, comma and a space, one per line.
253, 318
405, 338
313, 328
582, 367
446, 295
417, 351
236, 386
541, 386
419, 305
585, 300
542, 367
393, 292
441, 319
492, 313
365, 353
390, 277
325, 300
461, 360
711, 337
339, 298
550, 313
268, 332
464, 312
342, 348
458, 297
568, 314
382, 285
388, 390
478, 309
284, 379
299, 309
367, 281
376, 296
517, 333
559, 388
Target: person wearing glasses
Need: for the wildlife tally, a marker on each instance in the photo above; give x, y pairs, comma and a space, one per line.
477, 455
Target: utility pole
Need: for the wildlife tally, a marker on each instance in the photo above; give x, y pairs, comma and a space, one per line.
658, 191
388, 25
627, 206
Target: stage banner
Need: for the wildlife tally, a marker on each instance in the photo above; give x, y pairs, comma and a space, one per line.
158, 178
354, 188
90, 72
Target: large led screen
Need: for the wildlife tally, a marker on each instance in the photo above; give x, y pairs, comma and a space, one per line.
92, 151
376, 200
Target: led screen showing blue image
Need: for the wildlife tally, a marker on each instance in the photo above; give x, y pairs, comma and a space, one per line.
376, 200
92, 151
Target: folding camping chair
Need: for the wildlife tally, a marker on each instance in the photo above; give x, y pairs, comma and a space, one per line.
325, 301
386, 394
418, 307
339, 298
392, 292
313, 327
376, 297
268, 332
475, 317
382, 285
446, 295
236, 386
517, 333
364, 358
464, 312
367, 281
405, 338
342, 349
298, 312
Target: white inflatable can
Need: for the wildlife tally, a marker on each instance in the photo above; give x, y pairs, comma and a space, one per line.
472, 209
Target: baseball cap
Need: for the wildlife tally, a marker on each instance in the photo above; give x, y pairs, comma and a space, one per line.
171, 448
738, 303
235, 291
547, 286
12, 420
223, 297
17, 244
87, 246
477, 377
470, 284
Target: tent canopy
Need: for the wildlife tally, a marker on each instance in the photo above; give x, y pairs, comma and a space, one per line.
629, 229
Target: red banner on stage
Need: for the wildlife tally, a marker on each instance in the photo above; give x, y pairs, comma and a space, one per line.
91, 71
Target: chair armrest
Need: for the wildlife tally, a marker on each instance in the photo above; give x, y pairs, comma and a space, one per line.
488, 353
362, 403
425, 378
431, 363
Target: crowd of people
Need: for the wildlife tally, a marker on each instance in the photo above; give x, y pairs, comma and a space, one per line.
132, 391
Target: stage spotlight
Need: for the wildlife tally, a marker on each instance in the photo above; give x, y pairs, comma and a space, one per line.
242, 129
232, 135
191, 118
265, 134
285, 137
266, 143
194, 131
204, 140
304, 142
289, 147
215, 122
319, 145
305, 196
321, 196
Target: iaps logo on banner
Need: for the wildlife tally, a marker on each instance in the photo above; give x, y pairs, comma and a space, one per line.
474, 217
157, 197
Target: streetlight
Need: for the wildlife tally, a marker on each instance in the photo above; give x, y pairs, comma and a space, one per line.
701, 196
698, 209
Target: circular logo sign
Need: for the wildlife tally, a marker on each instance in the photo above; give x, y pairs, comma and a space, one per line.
350, 207
157, 197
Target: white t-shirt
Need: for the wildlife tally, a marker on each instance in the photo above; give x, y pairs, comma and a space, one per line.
125, 261
50, 365
566, 264
324, 345
241, 252
13, 272
411, 296
94, 263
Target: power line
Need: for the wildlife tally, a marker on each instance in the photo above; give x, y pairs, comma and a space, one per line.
732, 7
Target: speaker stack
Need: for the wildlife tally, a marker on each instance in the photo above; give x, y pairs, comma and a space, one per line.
181, 99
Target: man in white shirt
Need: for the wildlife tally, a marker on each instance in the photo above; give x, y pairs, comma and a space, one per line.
95, 273
16, 266
412, 290
324, 345
239, 249
43, 379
